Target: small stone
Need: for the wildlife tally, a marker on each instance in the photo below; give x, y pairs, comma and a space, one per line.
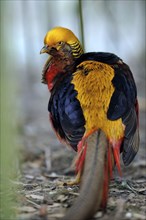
128, 215
98, 214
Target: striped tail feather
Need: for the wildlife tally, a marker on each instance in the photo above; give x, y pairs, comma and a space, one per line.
96, 172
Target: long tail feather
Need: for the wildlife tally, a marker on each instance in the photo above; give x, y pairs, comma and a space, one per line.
92, 180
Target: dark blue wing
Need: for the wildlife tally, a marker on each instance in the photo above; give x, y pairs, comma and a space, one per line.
124, 96
66, 113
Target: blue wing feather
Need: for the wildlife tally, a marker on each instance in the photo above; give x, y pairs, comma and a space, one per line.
66, 113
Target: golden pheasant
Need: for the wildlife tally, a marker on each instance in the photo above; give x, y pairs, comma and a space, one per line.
93, 107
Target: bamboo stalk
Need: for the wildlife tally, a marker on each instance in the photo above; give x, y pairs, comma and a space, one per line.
81, 24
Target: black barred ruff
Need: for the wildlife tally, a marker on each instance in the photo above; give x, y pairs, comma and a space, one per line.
77, 50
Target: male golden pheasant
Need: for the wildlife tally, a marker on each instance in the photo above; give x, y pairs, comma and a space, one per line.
94, 109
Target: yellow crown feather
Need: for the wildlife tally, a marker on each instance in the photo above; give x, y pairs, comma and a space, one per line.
58, 34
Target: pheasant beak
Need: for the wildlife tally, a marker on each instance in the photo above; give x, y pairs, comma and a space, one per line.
49, 50
45, 49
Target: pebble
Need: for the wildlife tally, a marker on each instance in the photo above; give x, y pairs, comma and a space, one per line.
128, 215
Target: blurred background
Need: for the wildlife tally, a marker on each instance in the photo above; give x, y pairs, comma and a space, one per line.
111, 26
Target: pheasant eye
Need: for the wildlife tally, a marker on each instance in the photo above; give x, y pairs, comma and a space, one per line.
60, 43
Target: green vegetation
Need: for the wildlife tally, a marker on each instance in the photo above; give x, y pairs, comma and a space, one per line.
8, 123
